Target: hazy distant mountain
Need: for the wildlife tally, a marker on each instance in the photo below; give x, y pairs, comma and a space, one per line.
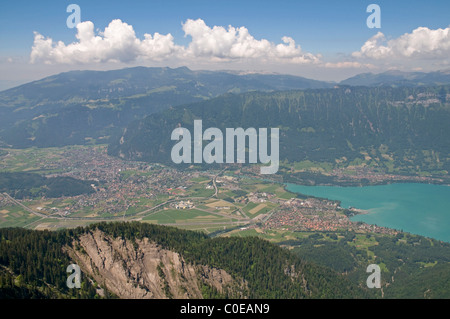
8, 84
73, 107
399, 78
80, 107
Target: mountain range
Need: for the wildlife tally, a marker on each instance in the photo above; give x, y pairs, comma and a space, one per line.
395, 119
398, 78
78, 106
402, 128
82, 107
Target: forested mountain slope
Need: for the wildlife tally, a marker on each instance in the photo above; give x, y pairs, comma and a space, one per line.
406, 126
137, 260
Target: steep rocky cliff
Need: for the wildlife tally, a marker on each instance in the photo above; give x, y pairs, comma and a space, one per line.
137, 260
141, 269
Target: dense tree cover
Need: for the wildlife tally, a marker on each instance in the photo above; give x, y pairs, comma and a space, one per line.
38, 259
264, 266
413, 266
34, 265
12, 287
20, 185
426, 282
332, 255
316, 125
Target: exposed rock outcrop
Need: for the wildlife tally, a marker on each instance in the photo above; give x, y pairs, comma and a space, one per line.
141, 269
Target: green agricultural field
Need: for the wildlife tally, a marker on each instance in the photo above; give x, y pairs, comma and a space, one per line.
268, 207
267, 187
312, 166
245, 233
207, 229
36, 159
254, 209
249, 207
16, 216
272, 188
200, 179
273, 235
57, 224
200, 191
279, 191
226, 194
175, 216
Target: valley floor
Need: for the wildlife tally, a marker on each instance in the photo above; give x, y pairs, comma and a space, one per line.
227, 201
214, 201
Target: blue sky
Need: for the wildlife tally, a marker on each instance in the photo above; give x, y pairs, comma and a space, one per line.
323, 31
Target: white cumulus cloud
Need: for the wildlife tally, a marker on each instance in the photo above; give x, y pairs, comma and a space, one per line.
237, 43
421, 43
118, 43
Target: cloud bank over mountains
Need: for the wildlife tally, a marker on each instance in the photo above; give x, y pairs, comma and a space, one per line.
422, 43
119, 43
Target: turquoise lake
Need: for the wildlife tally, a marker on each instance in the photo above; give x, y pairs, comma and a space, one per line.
421, 209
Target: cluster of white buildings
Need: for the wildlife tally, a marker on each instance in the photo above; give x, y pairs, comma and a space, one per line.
184, 205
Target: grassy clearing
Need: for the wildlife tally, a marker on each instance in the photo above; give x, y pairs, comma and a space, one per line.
249, 207
36, 160
174, 216
255, 210
312, 166
16, 216
57, 224
200, 191
200, 179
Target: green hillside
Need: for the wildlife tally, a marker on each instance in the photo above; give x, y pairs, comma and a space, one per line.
80, 107
22, 185
405, 129
398, 78
412, 266
328, 265
34, 262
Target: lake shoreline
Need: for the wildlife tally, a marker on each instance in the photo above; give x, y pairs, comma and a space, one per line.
417, 208
320, 179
